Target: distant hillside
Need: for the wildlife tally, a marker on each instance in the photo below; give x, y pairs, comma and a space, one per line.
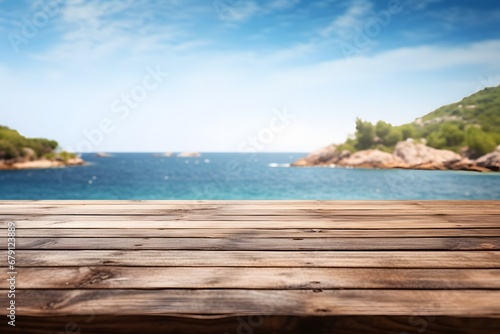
470, 127
481, 108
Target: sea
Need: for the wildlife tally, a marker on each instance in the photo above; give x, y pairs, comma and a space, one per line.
237, 176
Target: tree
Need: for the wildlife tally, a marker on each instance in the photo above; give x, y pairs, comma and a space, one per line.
451, 134
7, 150
14, 144
479, 142
408, 131
393, 137
382, 129
365, 131
436, 140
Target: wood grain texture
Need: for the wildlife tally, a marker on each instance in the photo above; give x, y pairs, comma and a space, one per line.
292, 266
279, 208
230, 302
105, 277
248, 233
361, 204
253, 325
341, 222
241, 242
237, 211
306, 259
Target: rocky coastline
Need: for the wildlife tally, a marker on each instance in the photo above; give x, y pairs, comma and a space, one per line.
16, 164
406, 155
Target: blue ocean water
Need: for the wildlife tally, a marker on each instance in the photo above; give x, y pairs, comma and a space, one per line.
237, 176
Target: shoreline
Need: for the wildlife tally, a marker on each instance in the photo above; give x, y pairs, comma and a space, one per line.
41, 164
406, 155
468, 171
472, 169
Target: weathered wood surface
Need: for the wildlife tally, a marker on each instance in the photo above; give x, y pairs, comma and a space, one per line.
297, 302
258, 324
106, 277
360, 266
241, 243
229, 258
241, 232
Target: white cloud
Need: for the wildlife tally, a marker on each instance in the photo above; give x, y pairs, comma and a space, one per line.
353, 17
215, 98
10, 21
281, 4
323, 3
421, 4
215, 101
243, 10
457, 17
92, 30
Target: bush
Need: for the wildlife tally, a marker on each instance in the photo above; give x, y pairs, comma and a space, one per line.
66, 156
8, 150
408, 131
365, 132
393, 137
382, 129
14, 144
452, 135
479, 142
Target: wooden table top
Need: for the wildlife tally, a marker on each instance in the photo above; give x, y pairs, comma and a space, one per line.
209, 261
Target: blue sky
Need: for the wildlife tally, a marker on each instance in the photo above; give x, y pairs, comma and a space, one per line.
209, 75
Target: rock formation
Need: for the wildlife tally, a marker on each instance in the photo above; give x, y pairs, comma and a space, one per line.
414, 154
371, 159
490, 160
41, 163
188, 154
407, 155
103, 155
325, 156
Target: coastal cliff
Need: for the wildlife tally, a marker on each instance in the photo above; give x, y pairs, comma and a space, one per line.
406, 155
460, 136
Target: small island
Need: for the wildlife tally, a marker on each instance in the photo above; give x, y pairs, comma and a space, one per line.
19, 152
461, 136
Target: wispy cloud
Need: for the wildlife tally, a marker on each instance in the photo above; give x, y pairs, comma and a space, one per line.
457, 17
421, 4
243, 10
10, 20
322, 3
343, 25
96, 29
281, 4
225, 75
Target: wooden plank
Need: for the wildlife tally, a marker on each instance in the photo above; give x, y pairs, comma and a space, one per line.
239, 210
309, 203
416, 323
466, 303
199, 259
244, 217
248, 233
249, 207
255, 215
346, 259
243, 243
254, 278
396, 222
167, 207
226, 203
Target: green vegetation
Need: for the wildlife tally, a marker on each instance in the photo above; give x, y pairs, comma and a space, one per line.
471, 126
13, 145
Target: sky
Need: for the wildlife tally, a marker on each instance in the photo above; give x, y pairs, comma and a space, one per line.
235, 75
